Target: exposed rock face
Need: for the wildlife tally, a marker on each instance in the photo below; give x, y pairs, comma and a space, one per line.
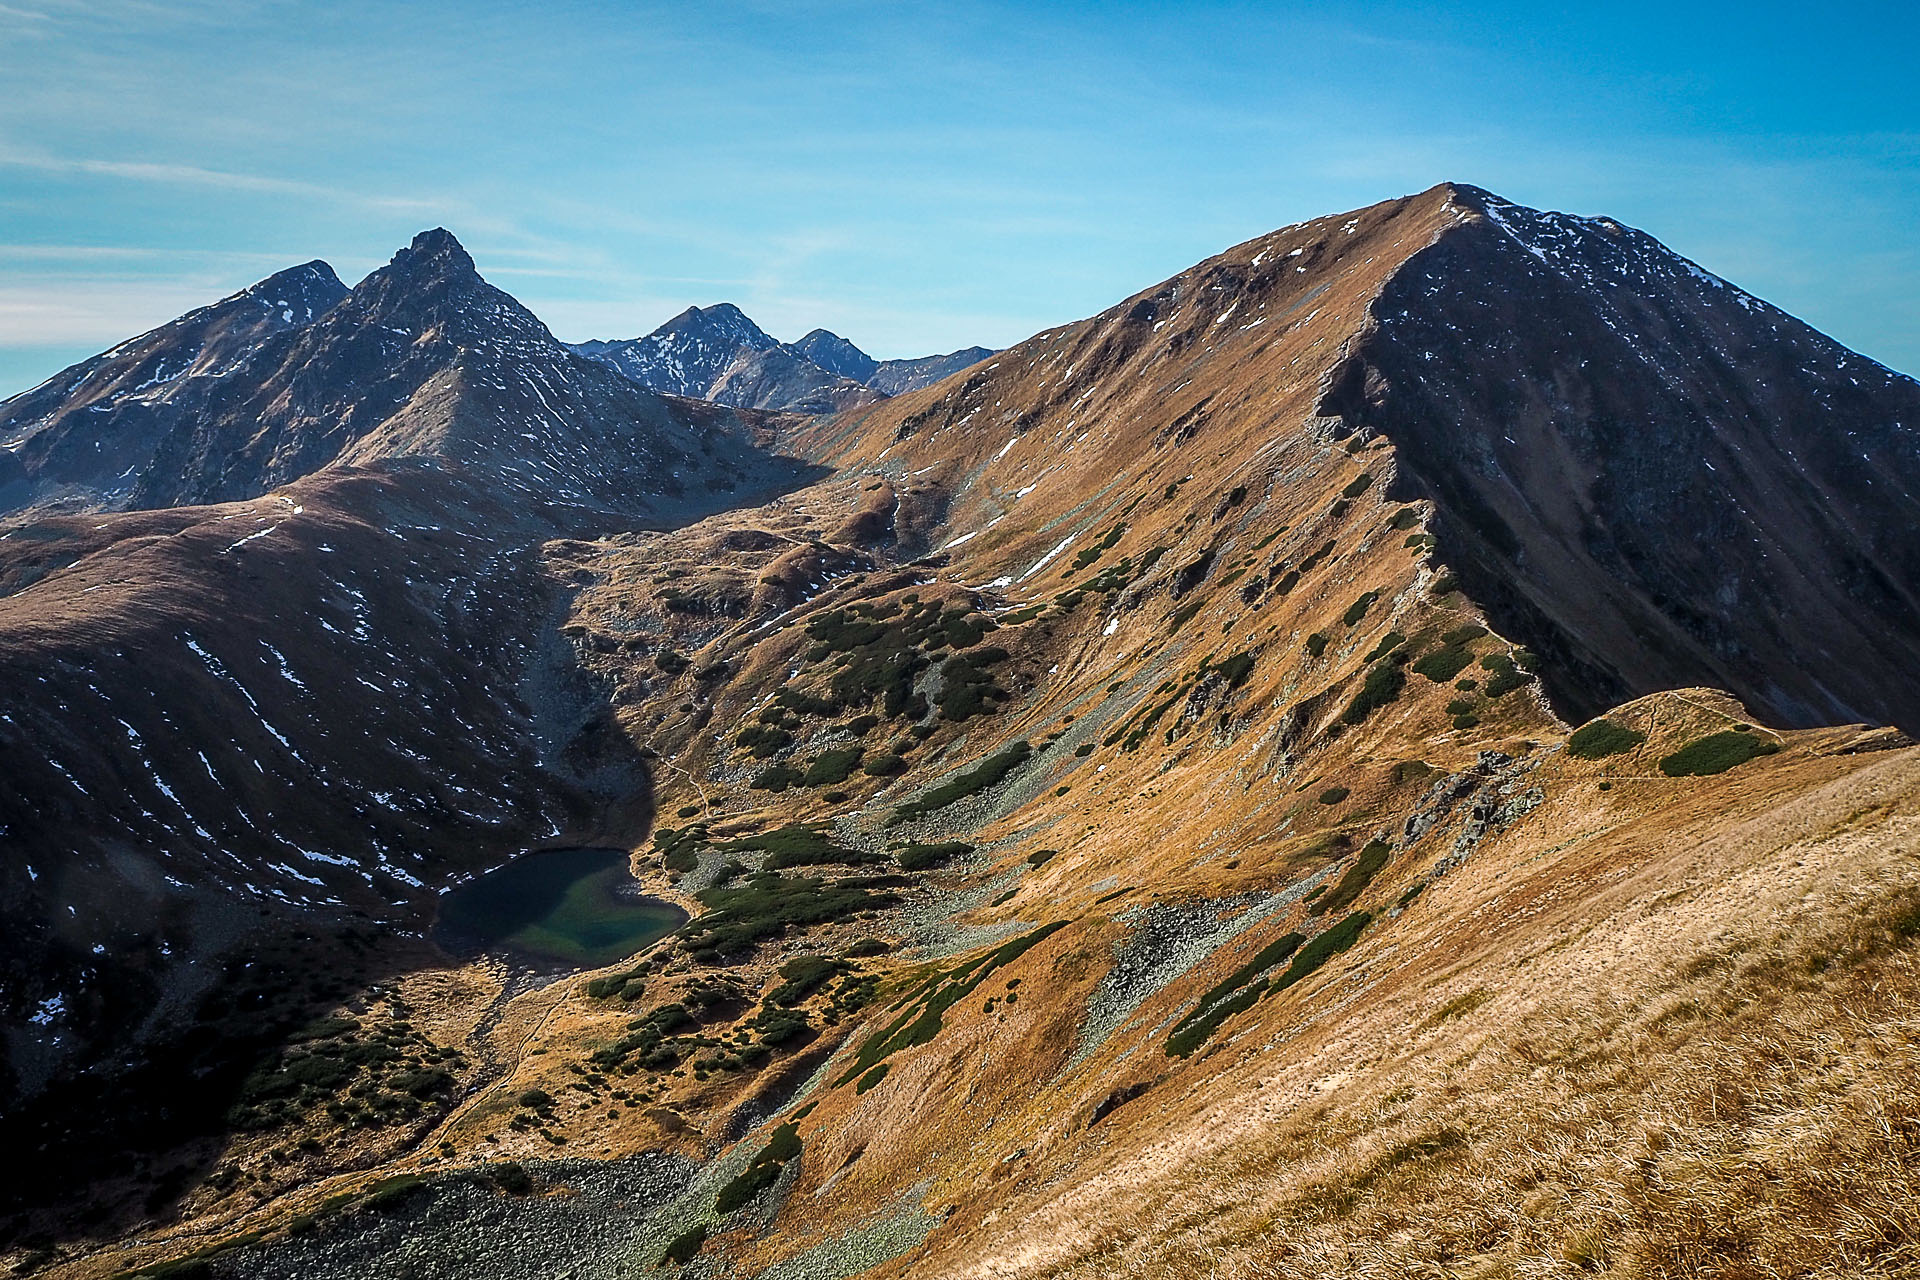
422, 360
1650, 476
686, 355
89, 433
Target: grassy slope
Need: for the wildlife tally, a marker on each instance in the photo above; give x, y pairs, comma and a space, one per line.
1613, 974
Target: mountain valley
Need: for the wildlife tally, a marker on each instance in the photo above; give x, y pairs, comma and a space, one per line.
1382, 754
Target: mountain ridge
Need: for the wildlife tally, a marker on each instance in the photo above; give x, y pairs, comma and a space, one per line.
718, 353
1135, 803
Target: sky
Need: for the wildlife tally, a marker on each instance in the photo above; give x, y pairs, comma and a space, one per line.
918, 177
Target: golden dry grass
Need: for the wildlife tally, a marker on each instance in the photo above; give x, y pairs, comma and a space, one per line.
1736, 1094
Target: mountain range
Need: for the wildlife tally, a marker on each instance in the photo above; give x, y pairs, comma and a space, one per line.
1384, 753
718, 354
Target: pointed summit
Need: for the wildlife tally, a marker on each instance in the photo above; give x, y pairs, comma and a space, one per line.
1646, 476
423, 359
433, 267
435, 252
688, 354
837, 355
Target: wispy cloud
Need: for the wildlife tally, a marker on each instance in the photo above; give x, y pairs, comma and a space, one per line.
96, 313
218, 179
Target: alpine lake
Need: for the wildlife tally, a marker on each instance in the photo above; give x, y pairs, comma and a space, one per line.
557, 908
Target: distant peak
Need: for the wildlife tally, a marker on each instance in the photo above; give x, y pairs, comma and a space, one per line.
723, 320
832, 352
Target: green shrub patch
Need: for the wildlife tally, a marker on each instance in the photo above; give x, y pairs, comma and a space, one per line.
763, 1172
921, 857
805, 704
1238, 992
1383, 684
683, 1247
1388, 643
777, 777
832, 767
762, 740
1716, 753
1354, 883
967, 688
1228, 997
627, 985
1236, 669
1601, 738
364, 1076
987, 773
802, 976
1444, 664
798, 845
920, 1020
1312, 562
766, 906
1507, 674
881, 650
1322, 949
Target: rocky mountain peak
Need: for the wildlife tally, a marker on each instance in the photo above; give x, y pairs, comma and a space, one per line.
303, 293
837, 355
722, 322
437, 252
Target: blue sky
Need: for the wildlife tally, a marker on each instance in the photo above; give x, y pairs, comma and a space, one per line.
918, 177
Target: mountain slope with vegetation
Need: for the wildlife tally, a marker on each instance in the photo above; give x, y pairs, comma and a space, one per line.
1145, 805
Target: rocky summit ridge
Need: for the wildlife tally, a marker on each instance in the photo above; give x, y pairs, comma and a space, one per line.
1379, 754
717, 353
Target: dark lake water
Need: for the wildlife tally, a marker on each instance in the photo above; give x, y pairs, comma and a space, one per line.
578, 907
